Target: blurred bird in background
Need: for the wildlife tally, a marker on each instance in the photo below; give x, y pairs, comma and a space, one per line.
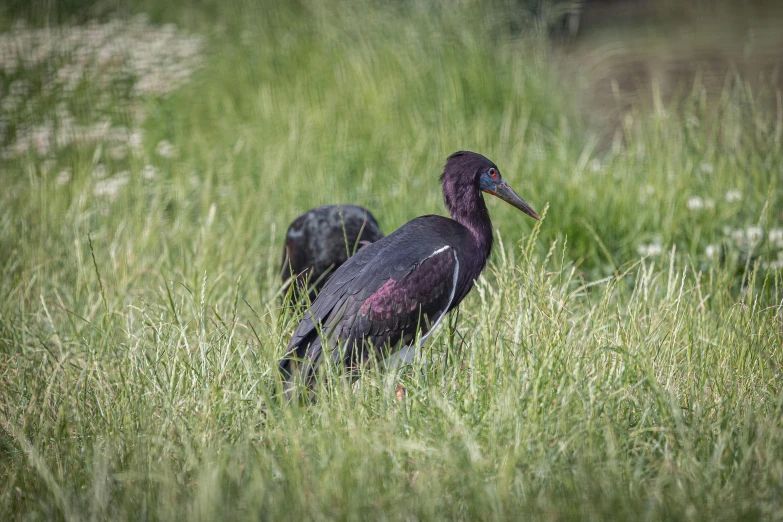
320, 240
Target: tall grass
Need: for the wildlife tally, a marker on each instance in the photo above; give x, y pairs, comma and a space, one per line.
139, 334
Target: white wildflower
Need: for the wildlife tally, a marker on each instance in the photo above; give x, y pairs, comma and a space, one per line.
695, 203
776, 237
733, 196
118, 134
11, 102
138, 113
754, 234
47, 166
711, 251
41, 137
165, 149
87, 134
118, 152
99, 171
706, 167
738, 236
135, 139
160, 58
748, 238
652, 249
110, 187
63, 177
153, 59
647, 191
149, 172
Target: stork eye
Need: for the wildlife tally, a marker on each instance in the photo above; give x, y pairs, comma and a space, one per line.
493, 173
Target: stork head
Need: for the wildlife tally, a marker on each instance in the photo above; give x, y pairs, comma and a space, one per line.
468, 174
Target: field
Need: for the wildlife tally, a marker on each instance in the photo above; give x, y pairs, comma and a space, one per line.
619, 360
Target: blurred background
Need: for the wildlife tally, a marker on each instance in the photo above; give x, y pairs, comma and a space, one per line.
642, 124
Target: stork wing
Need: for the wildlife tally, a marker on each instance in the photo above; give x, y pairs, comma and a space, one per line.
391, 315
368, 311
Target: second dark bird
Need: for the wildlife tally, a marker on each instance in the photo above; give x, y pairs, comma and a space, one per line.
405, 283
320, 240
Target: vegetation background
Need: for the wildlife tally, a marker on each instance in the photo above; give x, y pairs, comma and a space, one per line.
620, 360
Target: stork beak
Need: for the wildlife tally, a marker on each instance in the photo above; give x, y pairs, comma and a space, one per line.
507, 194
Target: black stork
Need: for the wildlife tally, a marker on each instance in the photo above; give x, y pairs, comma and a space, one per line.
320, 240
378, 300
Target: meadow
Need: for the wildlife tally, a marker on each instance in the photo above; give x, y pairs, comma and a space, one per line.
619, 360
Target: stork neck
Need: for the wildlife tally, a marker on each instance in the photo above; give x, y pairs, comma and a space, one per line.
472, 214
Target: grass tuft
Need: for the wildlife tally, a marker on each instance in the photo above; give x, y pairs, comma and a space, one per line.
619, 359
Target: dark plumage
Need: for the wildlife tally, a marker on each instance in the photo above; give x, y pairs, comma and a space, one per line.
320, 240
378, 300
